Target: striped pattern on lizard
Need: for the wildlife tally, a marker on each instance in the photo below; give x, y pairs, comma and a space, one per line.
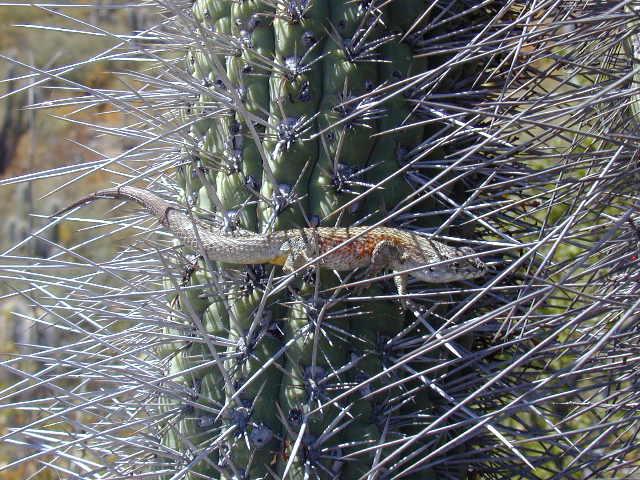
376, 249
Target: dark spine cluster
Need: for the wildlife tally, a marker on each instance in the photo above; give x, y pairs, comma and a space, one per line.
506, 126
312, 94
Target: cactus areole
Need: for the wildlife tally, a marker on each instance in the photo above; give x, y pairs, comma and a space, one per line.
321, 128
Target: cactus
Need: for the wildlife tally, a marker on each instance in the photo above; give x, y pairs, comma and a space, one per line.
506, 126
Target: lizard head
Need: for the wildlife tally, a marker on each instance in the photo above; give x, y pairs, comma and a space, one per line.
441, 263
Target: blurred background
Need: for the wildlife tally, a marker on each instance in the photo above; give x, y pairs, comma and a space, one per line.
39, 139
50, 129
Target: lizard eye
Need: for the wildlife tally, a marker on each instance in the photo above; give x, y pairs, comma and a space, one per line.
456, 264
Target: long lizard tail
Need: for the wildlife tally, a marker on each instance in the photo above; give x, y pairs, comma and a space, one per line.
149, 201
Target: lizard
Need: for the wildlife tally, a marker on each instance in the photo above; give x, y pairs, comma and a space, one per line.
336, 248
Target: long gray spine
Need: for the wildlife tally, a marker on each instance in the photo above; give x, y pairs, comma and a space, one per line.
237, 246
335, 248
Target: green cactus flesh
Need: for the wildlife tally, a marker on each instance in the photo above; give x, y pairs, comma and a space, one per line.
509, 127
315, 114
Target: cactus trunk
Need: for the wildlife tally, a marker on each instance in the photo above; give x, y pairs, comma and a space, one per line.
506, 126
316, 92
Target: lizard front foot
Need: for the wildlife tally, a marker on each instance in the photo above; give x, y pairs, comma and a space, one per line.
406, 303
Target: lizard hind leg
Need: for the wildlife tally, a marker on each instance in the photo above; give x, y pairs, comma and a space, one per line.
293, 262
297, 260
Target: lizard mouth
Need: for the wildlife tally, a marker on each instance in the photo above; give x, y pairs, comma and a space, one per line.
449, 273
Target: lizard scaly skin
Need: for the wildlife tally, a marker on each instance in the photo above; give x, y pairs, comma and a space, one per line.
375, 248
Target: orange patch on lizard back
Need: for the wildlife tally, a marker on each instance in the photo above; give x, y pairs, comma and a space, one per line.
361, 247
366, 247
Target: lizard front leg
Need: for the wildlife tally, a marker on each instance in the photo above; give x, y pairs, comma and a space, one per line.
386, 255
401, 281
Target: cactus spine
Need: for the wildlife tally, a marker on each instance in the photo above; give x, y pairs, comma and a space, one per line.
479, 121
297, 142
